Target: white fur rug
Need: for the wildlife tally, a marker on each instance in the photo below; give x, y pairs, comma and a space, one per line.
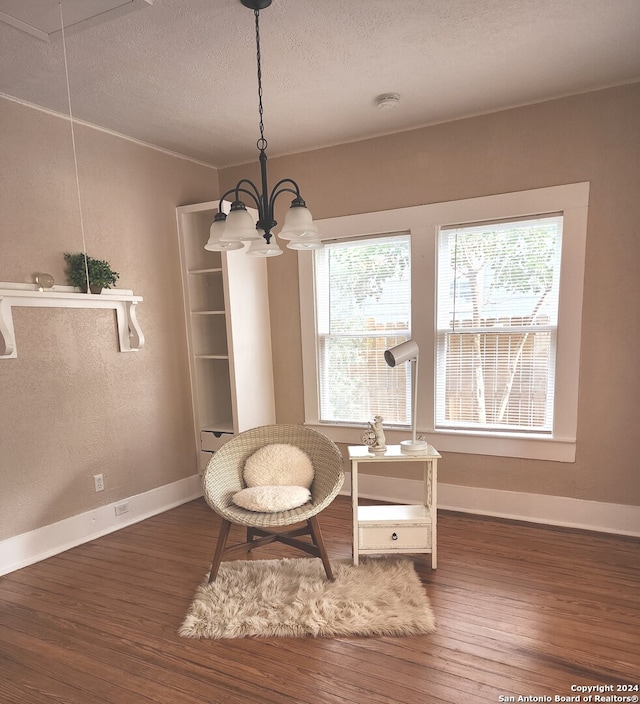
293, 598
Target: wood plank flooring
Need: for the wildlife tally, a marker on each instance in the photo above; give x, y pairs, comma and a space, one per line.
522, 610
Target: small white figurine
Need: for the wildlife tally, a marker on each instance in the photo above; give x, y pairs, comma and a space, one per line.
374, 437
377, 428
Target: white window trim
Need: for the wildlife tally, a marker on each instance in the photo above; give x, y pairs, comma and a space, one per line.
423, 222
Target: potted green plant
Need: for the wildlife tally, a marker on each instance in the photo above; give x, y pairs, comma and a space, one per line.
101, 275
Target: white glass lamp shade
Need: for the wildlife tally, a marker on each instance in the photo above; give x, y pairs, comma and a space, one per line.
298, 221
215, 243
401, 353
239, 224
305, 242
260, 247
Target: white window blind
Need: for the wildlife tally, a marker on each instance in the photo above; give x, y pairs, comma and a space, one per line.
497, 316
363, 307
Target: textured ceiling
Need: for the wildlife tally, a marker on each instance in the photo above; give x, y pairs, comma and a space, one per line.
180, 74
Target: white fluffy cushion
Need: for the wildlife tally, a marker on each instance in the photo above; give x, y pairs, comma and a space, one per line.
278, 465
271, 499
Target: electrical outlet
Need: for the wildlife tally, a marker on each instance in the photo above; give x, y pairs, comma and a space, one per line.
98, 480
121, 508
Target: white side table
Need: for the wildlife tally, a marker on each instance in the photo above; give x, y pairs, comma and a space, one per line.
395, 528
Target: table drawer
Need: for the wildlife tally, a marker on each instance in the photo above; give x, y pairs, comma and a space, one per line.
394, 537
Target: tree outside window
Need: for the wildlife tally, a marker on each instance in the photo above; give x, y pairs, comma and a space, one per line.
497, 321
363, 307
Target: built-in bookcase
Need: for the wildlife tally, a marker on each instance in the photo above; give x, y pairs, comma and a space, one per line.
228, 334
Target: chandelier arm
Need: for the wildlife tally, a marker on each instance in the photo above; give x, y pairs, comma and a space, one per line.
223, 197
251, 195
254, 195
279, 191
291, 181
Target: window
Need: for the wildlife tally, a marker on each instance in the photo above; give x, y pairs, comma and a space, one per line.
363, 307
497, 319
491, 290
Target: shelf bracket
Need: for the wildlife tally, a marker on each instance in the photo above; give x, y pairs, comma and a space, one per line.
130, 336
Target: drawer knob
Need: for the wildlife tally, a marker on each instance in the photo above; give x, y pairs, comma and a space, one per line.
394, 536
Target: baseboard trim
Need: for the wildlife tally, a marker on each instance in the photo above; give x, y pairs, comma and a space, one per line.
28, 548
620, 519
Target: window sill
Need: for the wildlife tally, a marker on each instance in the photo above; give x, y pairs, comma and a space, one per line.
494, 445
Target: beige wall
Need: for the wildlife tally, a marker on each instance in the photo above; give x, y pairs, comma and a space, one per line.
591, 137
72, 405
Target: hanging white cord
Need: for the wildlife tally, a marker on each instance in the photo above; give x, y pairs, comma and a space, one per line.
73, 142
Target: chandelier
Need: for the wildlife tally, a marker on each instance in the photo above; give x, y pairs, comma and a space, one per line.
228, 232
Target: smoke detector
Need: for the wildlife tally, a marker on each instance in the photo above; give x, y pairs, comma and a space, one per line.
387, 101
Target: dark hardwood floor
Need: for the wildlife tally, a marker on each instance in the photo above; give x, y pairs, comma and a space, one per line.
522, 610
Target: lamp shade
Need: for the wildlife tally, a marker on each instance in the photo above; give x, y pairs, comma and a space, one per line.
215, 243
408, 352
297, 221
239, 224
305, 242
262, 248
401, 353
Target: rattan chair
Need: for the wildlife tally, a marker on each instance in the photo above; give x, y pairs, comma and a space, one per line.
223, 477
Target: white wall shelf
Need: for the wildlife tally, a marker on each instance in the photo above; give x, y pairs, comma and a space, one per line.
122, 301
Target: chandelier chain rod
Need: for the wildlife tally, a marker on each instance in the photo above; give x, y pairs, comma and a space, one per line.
262, 142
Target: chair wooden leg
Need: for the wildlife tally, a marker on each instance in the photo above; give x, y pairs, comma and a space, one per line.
251, 534
316, 536
217, 557
316, 547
